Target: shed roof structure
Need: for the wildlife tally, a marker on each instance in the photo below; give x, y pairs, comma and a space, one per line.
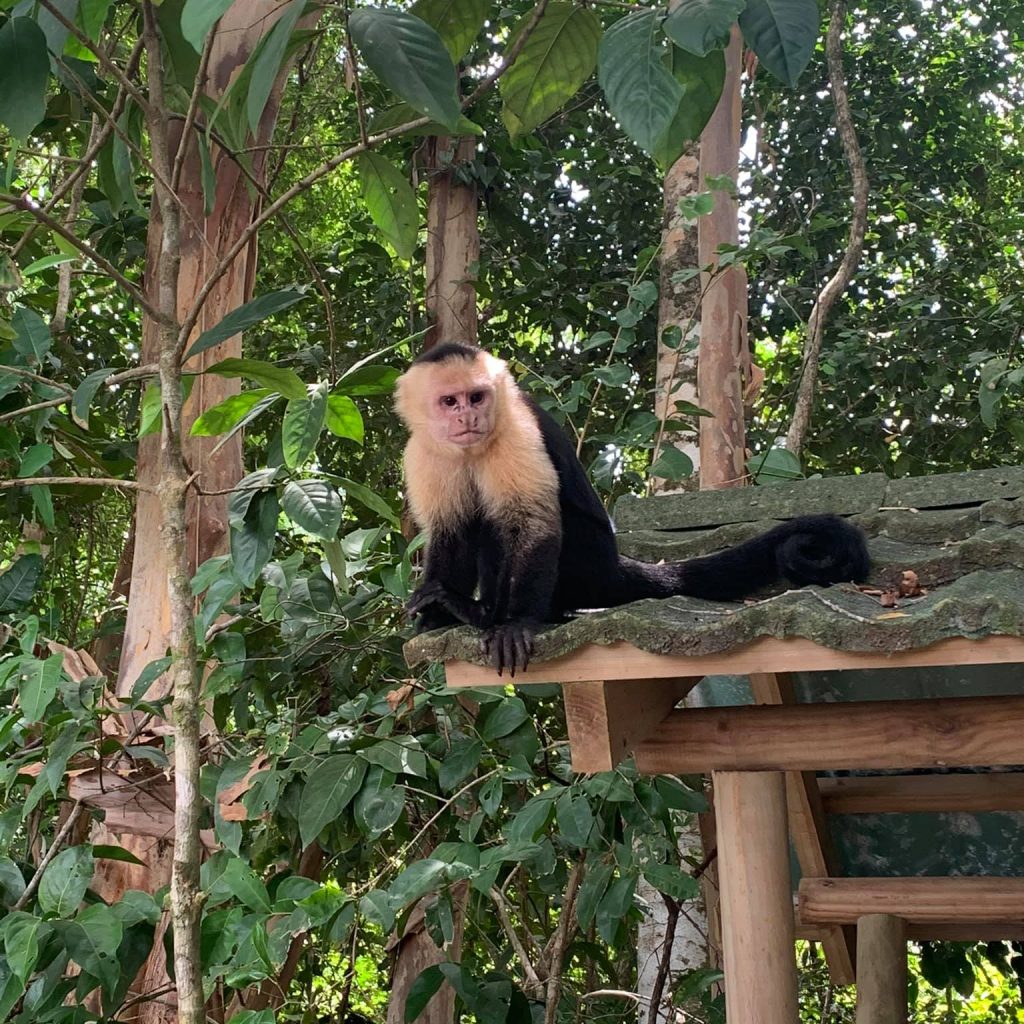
806, 739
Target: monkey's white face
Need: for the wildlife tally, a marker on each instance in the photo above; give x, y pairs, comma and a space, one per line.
463, 416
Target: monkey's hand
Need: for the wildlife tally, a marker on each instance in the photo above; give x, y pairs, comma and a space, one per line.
436, 595
510, 645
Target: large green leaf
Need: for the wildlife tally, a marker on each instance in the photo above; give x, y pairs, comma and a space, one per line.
24, 70
278, 378
782, 33
252, 543
408, 56
641, 92
268, 61
421, 991
198, 17
223, 416
402, 113
85, 393
700, 26
559, 56
343, 418
35, 457
329, 789
33, 338
19, 583
22, 933
391, 201
92, 941
702, 79
245, 317
246, 886
373, 379
38, 685
370, 499
65, 881
458, 22
314, 506
303, 422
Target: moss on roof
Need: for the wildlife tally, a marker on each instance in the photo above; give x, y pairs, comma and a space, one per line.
962, 533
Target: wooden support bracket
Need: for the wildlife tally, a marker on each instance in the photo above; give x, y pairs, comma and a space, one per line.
909, 794
950, 732
607, 719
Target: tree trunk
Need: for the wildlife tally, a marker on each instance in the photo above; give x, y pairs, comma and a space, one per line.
453, 249
203, 240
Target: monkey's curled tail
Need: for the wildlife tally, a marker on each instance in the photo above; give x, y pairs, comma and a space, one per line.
821, 549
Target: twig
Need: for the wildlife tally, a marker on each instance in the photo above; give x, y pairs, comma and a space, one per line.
193, 110
837, 284
28, 374
73, 481
668, 937
150, 370
560, 942
535, 987
58, 842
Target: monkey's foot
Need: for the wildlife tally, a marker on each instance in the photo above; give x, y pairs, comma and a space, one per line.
510, 645
435, 596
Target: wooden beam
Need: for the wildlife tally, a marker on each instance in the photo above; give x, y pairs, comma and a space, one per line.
607, 720
809, 832
943, 732
881, 970
985, 900
906, 794
956, 931
756, 893
795, 654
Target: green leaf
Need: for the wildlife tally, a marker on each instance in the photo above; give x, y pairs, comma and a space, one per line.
85, 393
699, 26
92, 14
559, 56
373, 501
397, 754
374, 379
244, 317
24, 72
422, 877
22, 934
65, 881
246, 886
402, 113
277, 378
595, 883
55, 260
702, 79
150, 409
503, 718
531, 819
614, 905
409, 57
782, 33
245, 492
671, 464
641, 92
391, 202
102, 851
575, 819
458, 22
198, 17
12, 882
343, 418
773, 466
462, 760
92, 940
32, 335
421, 991
226, 415
34, 459
38, 685
268, 60
207, 175
671, 880
252, 543
18, 584
303, 422
313, 506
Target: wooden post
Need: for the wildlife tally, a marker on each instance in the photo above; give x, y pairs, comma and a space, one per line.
881, 970
757, 898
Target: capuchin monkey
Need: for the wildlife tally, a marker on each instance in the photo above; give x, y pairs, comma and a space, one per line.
517, 536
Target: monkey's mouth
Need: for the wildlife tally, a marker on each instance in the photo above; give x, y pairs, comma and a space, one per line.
467, 437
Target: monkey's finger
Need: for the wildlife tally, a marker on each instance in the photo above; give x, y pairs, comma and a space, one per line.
524, 648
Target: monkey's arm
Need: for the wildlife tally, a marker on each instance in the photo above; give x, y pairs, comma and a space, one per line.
444, 598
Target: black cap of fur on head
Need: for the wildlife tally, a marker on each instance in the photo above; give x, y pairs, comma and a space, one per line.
448, 350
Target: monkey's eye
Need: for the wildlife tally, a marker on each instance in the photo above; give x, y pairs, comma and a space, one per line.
476, 398
448, 400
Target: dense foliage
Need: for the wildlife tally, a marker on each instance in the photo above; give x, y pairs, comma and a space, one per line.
326, 751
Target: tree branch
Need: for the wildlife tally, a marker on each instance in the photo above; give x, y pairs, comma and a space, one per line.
836, 285
534, 986
72, 481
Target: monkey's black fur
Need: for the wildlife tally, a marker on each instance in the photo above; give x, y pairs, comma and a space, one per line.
518, 591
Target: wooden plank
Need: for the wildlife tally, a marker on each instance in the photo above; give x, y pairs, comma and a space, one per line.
795, 654
957, 931
809, 832
606, 721
906, 794
756, 893
987, 900
881, 970
942, 732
